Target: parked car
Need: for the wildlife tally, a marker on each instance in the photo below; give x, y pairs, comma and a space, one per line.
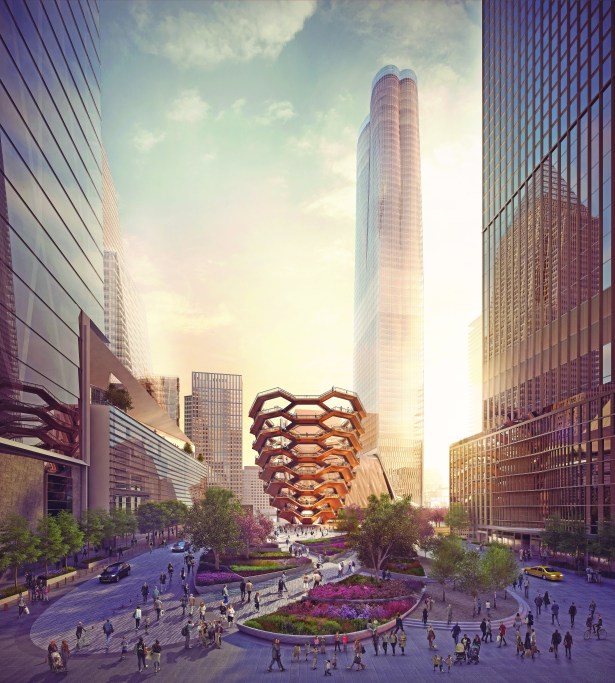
181, 547
114, 572
545, 573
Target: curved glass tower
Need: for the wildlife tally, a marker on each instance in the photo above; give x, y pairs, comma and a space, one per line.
388, 317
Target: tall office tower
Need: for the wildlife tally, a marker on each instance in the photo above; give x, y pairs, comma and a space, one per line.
125, 321
165, 391
216, 426
188, 416
475, 377
547, 254
51, 253
388, 310
254, 494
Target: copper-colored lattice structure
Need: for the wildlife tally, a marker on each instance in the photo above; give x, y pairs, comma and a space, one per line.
307, 451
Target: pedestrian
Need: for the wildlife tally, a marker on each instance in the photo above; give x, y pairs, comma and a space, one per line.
187, 633
21, 605
554, 613
182, 574
517, 622
170, 570
52, 654
488, 633
526, 587
533, 645
107, 630
527, 644
455, 631
124, 649
538, 603
402, 642
191, 604
328, 667
230, 615
449, 614
257, 600
276, 655
65, 654
483, 628
519, 644
431, 638
79, 634
592, 608
375, 640
502, 635
385, 642
393, 642
225, 594
156, 653
202, 610
529, 620
296, 653
249, 586
572, 611
546, 600
141, 652
156, 593
425, 615
158, 607
146, 623
184, 603
242, 590
136, 615
345, 642
436, 662
488, 608
337, 642
568, 645
556, 639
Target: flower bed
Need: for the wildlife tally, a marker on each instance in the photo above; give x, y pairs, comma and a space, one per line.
210, 578
318, 618
327, 546
401, 566
260, 562
362, 588
265, 566
8, 592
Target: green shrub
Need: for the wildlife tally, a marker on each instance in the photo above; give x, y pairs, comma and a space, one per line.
7, 592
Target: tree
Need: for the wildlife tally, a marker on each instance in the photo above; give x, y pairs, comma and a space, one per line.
575, 539
51, 545
448, 555
253, 530
349, 519
213, 522
118, 397
72, 536
124, 522
554, 535
188, 448
604, 543
150, 517
500, 567
93, 529
437, 515
176, 512
389, 528
425, 529
470, 574
457, 518
18, 545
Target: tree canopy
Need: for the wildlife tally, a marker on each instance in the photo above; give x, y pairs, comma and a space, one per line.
51, 543
457, 518
72, 536
447, 558
500, 567
254, 529
18, 545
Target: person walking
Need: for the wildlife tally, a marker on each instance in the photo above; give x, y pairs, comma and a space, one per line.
136, 615
425, 616
328, 668
393, 641
156, 653
402, 642
455, 631
375, 640
144, 591
517, 622
141, 651
556, 639
146, 623
249, 587
191, 604
163, 581
337, 646
526, 587
170, 571
483, 628
488, 633
431, 638
242, 590
79, 634
592, 608
182, 574
449, 614
107, 630
276, 655
187, 633
158, 607
568, 645
257, 600
315, 655
184, 603
572, 611
21, 605
488, 608
385, 642
230, 615
538, 603
399, 624
554, 613
546, 600
65, 655
502, 635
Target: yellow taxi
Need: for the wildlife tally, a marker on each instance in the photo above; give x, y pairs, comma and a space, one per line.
545, 573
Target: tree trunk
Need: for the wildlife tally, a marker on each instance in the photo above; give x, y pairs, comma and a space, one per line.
16, 568
443, 594
217, 560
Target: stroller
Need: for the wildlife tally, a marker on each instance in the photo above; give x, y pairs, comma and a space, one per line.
473, 654
56, 662
460, 654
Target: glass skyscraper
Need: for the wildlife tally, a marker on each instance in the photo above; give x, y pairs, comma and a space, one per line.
51, 246
547, 254
388, 315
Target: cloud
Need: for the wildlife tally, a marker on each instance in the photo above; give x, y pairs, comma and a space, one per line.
336, 203
173, 310
277, 111
188, 107
144, 140
226, 31
238, 105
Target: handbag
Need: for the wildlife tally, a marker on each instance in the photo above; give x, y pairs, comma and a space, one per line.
551, 648
26, 610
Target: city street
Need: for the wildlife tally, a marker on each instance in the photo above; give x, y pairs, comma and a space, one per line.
241, 657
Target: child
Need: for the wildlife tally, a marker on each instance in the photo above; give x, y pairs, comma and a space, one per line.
124, 649
146, 622
328, 668
441, 664
436, 662
334, 662
296, 653
449, 661
308, 648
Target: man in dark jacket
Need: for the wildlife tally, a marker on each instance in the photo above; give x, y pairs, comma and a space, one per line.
456, 630
573, 613
276, 654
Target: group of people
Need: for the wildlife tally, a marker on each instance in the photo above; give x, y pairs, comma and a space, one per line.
38, 588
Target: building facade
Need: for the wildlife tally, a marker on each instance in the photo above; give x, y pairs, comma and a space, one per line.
388, 309
165, 391
51, 246
307, 451
216, 419
188, 416
254, 494
474, 404
547, 254
125, 319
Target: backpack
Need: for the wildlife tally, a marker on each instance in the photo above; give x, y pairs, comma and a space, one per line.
185, 631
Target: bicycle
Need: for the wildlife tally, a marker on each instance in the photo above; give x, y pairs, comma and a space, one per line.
590, 631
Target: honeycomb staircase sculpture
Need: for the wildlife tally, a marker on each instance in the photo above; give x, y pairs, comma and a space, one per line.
307, 451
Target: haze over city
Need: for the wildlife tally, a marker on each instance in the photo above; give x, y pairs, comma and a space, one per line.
235, 170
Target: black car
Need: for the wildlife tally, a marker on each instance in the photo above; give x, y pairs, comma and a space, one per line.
114, 572
181, 547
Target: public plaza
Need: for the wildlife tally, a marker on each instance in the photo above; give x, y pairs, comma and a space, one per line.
241, 658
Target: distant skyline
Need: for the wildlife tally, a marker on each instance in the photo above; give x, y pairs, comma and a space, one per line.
231, 128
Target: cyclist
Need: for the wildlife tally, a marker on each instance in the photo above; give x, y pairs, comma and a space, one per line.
597, 626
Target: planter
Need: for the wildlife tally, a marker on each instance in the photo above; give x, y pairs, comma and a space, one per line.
57, 581
329, 639
362, 601
96, 564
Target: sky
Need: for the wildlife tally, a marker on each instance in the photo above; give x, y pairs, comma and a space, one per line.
231, 132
